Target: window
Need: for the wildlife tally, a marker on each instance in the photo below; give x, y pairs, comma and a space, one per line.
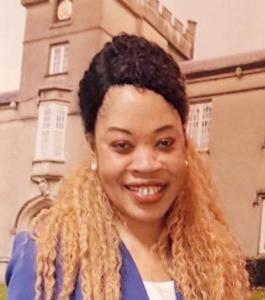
261, 196
51, 132
199, 124
64, 10
59, 56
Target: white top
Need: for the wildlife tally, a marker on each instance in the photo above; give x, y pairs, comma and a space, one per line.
164, 290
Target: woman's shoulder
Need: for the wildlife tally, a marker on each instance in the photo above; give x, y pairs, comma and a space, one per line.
24, 250
23, 240
21, 270
20, 274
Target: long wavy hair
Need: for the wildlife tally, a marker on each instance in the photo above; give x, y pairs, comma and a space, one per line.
196, 245
78, 236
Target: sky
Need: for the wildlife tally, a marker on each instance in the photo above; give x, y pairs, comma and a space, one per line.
224, 27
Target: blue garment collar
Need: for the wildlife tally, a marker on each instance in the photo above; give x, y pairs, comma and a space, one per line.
132, 285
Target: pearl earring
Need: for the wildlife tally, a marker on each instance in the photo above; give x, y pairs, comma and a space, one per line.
94, 167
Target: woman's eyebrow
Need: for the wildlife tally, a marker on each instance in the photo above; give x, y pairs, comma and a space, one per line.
114, 128
163, 128
126, 131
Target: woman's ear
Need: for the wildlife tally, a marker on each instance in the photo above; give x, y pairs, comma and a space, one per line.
91, 141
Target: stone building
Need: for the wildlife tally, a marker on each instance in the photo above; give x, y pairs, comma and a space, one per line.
227, 122
40, 128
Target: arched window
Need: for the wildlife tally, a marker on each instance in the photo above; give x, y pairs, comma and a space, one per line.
28, 211
64, 10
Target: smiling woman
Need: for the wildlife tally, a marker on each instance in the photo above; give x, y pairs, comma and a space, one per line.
140, 220
141, 168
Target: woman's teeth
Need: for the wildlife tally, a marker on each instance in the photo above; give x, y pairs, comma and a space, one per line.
146, 191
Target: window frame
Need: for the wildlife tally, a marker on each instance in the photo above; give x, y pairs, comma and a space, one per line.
63, 67
200, 140
47, 133
262, 225
56, 20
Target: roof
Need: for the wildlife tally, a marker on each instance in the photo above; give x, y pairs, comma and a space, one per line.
8, 97
223, 64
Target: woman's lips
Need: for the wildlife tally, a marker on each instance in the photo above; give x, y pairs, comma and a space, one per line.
146, 193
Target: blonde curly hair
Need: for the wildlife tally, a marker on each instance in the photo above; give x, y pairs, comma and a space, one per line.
196, 246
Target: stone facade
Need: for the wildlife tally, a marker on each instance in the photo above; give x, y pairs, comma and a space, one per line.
236, 87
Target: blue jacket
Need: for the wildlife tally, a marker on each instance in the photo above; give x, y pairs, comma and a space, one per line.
20, 275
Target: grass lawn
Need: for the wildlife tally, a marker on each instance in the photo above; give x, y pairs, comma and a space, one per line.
2, 292
255, 295
258, 295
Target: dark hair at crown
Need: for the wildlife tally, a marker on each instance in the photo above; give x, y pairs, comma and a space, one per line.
129, 59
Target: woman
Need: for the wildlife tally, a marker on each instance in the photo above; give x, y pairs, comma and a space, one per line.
140, 220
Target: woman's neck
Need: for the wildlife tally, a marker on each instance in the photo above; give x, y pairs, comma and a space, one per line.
136, 234
139, 239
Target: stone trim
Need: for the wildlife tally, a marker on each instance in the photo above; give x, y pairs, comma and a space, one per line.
163, 21
32, 2
243, 90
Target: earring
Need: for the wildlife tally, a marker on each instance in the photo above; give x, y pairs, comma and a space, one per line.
94, 167
186, 163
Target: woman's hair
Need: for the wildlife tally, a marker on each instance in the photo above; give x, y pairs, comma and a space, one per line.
77, 235
129, 59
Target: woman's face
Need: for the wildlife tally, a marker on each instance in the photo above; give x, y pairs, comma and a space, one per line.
140, 151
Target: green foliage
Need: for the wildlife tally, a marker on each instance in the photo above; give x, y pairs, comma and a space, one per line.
258, 295
2, 292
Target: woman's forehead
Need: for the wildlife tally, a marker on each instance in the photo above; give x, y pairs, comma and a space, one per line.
127, 105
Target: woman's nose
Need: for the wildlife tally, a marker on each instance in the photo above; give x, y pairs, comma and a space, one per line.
145, 161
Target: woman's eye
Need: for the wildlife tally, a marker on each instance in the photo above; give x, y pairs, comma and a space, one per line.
121, 147
165, 144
